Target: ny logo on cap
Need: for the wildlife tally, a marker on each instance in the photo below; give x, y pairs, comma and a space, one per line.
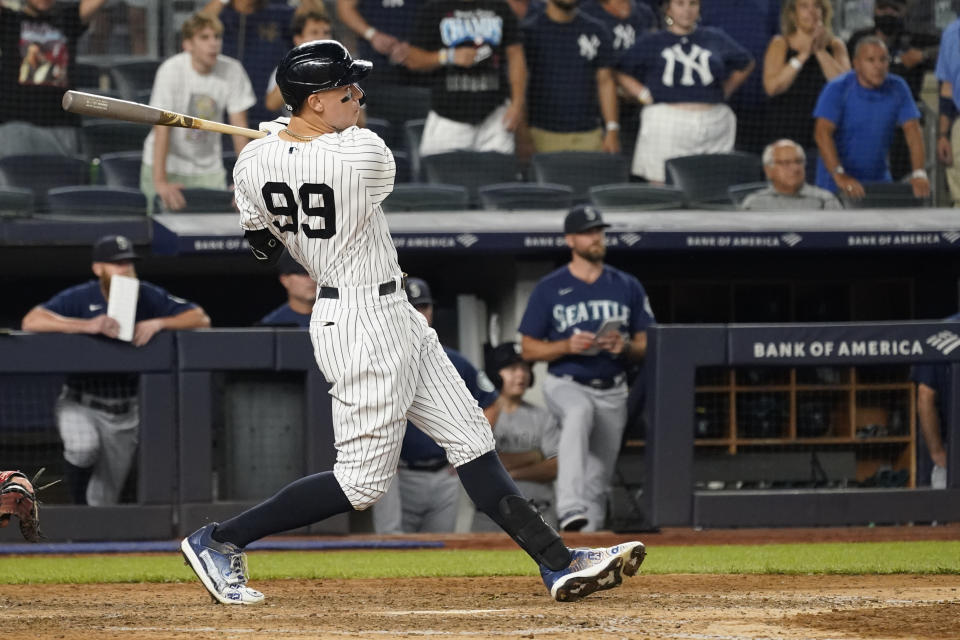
122, 243
590, 213
517, 348
415, 291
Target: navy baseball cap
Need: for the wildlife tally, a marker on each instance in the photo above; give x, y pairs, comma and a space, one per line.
418, 292
113, 249
582, 218
287, 264
502, 356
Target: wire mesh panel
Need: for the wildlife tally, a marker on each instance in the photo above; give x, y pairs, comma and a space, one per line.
259, 430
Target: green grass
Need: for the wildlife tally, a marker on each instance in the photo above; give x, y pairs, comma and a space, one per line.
827, 558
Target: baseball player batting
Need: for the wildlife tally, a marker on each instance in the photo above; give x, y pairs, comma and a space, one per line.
316, 187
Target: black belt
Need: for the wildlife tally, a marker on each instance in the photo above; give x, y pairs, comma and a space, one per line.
598, 383
432, 464
386, 288
114, 408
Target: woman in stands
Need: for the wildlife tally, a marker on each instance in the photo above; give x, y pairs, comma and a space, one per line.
683, 75
797, 65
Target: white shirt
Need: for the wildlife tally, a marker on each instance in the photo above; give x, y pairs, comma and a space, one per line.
322, 200
181, 88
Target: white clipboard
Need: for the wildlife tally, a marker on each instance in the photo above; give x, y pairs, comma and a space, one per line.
122, 305
607, 327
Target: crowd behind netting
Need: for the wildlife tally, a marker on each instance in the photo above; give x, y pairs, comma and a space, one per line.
501, 104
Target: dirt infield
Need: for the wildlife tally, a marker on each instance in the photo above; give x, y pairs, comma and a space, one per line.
685, 606
707, 607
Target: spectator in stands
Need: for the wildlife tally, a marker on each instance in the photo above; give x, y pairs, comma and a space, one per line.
627, 20
683, 74
797, 65
478, 98
570, 61
948, 135
934, 384
784, 162
752, 25
305, 27
424, 496
198, 82
383, 28
301, 294
527, 436
255, 32
38, 42
134, 13
97, 415
912, 56
856, 116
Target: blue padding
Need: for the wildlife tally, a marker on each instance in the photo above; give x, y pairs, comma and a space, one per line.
171, 546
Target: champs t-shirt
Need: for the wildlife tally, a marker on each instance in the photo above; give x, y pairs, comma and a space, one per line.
179, 87
562, 304
690, 68
468, 94
37, 61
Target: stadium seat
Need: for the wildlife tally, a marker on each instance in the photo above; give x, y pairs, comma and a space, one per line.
426, 197
739, 192
40, 173
402, 160
203, 201
412, 133
525, 195
637, 196
16, 201
470, 169
85, 75
98, 137
704, 179
885, 195
121, 169
97, 201
399, 106
384, 129
133, 76
580, 169
23, 138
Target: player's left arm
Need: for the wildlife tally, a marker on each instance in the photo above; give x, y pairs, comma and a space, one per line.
195, 318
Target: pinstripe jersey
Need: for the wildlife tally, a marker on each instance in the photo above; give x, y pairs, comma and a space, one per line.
321, 199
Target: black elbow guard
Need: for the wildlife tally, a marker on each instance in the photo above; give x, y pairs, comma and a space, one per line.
264, 245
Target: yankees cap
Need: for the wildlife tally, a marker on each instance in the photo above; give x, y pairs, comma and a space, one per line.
113, 249
287, 265
582, 218
418, 292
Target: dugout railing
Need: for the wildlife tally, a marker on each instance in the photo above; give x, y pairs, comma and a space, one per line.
670, 496
181, 375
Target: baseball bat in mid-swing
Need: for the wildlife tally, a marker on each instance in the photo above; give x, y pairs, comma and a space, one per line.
89, 104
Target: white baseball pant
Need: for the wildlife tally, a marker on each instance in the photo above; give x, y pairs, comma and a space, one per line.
668, 132
441, 135
386, 365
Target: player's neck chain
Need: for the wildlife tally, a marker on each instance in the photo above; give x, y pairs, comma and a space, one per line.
300, 137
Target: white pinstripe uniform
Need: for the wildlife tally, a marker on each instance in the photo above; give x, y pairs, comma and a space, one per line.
322, 200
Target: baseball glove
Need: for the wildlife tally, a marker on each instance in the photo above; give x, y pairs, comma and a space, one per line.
18, 498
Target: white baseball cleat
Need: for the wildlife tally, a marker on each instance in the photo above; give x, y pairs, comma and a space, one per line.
589, 570
221, 567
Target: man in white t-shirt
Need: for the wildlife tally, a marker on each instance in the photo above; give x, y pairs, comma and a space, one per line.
202, 83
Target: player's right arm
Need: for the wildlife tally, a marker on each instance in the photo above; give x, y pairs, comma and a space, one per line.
550, 350
266, 246
41, 320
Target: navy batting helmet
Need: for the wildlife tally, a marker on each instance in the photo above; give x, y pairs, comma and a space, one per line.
317, 66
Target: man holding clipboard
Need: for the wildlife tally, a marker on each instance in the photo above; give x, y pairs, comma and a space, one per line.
588, 321
98, 414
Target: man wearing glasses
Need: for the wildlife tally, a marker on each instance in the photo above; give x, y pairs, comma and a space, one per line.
784, 163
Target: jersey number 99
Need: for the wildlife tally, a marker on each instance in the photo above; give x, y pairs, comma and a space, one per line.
326, 211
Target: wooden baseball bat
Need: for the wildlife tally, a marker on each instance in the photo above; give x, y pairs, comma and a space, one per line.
89, 104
